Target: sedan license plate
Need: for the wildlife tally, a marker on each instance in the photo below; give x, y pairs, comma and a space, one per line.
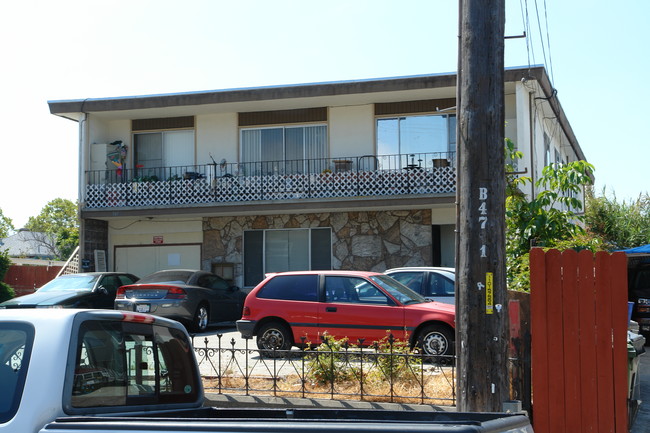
142, 308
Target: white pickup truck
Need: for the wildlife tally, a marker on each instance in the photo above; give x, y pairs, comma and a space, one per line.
108, 371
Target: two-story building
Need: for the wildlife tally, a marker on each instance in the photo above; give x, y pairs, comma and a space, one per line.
341, 175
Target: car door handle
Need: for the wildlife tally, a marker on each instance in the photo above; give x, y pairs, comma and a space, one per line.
330, 309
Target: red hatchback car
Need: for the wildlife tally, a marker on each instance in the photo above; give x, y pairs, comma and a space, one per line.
358, 305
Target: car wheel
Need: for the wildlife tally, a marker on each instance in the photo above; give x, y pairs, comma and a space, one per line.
437, 341
201, 318
273, 339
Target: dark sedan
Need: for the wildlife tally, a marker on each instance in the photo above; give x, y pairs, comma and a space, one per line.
196, 298
86, 290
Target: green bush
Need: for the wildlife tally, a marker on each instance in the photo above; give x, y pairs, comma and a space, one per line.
400, 365
6, 292
386, 360
329, 363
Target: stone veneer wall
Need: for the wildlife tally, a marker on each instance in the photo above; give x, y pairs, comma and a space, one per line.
373, 241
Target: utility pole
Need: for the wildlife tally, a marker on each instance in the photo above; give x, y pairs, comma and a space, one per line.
481, 300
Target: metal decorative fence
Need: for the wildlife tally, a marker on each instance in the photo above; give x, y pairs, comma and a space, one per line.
380, 372
272, 180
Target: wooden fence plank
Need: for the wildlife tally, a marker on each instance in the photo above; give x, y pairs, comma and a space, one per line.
539, 349
604, 359
587, 317
571, 323
555, 342
579, 331
618, 292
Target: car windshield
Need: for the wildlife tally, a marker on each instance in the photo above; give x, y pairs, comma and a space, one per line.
397, 290
70, 282
177, 277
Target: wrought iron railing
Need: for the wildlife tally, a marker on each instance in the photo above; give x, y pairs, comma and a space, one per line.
369, 175
374, 373
383, 371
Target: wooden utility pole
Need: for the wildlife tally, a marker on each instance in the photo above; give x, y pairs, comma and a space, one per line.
481, 301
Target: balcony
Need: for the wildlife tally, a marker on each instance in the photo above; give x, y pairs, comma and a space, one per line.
363, 176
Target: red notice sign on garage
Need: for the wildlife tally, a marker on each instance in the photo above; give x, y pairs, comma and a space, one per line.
157, 239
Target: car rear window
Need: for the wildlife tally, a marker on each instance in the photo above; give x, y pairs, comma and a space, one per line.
291, 288
180, 277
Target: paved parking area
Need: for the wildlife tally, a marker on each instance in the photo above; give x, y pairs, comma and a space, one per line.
642, 423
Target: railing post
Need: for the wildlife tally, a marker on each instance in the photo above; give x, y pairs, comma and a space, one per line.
361, 377
218, 359
246, 366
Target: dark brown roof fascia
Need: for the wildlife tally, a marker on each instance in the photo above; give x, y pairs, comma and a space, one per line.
253, 94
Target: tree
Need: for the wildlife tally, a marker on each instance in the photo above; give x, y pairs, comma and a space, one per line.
623, 225
6, 292
551, 219
6, 225
57, 227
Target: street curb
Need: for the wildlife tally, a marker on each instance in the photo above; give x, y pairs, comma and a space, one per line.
230, 400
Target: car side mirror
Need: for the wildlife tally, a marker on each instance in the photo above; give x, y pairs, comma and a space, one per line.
102, 290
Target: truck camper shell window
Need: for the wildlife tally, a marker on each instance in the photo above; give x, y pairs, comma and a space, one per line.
125, 364
16, 340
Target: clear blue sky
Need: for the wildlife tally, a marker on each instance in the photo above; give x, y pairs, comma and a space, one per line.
598, 60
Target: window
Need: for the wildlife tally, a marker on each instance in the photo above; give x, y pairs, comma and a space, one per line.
440, 285
155, 151
412, 280
291, 288
284, 150
213, 282
285, 250
413, 135
16, 341
353, 290
120, 364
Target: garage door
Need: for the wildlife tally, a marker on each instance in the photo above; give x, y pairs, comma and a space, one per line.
142, 261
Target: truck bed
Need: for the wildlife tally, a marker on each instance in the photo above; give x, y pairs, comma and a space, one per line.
243, 420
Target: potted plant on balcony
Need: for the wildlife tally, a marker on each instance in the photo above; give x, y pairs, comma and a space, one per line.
139, 182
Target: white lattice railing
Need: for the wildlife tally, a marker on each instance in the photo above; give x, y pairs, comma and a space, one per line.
72, 265
434, 180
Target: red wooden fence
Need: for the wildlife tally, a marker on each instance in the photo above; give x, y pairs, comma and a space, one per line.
579, 341
24, 279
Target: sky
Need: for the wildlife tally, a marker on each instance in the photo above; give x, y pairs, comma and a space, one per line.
595, 52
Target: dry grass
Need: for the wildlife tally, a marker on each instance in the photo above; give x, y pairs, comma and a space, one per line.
438, 388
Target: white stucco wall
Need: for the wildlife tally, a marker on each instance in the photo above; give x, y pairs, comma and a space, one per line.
217, 134
352, 131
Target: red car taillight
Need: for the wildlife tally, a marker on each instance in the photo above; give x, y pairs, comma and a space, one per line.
139, 318
246, 312
140, 292
175, 293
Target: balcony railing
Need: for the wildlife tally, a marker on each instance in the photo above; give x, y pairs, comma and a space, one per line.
370, 175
